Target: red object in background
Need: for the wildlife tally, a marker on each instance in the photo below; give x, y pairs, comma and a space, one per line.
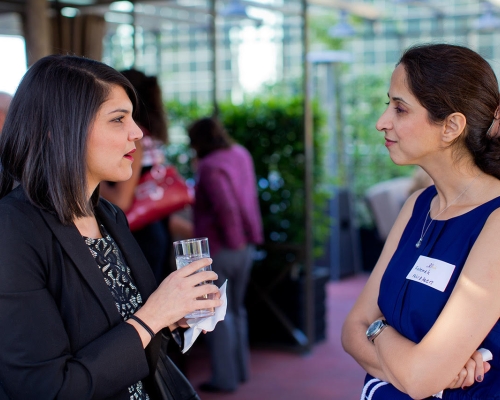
160, 192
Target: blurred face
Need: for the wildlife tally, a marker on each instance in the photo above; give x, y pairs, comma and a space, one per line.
111, 141
409, 135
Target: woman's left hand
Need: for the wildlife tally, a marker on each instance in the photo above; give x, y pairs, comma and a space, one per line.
473, 371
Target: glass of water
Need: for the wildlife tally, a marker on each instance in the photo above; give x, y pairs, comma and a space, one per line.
187, 251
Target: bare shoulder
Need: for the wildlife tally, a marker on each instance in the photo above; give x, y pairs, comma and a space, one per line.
483, 263
491, 231
492, 224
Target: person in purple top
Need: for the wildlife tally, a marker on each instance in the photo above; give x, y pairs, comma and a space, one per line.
226, 210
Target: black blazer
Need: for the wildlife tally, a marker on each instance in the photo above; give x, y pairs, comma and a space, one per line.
61, 335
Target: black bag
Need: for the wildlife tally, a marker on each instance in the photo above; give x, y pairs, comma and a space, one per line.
170, 381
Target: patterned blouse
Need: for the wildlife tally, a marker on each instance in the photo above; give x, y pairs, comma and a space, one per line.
118, 277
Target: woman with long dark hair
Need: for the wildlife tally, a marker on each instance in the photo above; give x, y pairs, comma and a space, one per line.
82, 315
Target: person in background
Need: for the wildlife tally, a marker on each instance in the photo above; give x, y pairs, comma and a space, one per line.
82, 315
431, 302
155, 239
5, 100
226, 210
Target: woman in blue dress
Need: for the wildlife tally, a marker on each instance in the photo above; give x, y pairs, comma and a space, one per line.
433, 299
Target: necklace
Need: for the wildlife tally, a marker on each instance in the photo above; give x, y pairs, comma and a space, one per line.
424, 229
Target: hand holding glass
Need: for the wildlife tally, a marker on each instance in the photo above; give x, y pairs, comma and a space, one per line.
187, 251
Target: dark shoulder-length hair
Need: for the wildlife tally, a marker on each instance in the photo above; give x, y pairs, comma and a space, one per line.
207, 135
151, 112
43, 144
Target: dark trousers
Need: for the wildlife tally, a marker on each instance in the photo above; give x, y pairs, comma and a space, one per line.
228, 343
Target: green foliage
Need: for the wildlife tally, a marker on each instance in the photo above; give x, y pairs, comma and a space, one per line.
180, 115
370, 162
272, 129
181, 155
184, 113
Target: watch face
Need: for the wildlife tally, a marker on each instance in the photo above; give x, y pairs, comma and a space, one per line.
374, 329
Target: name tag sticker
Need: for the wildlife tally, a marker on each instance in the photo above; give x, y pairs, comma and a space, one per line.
431, 272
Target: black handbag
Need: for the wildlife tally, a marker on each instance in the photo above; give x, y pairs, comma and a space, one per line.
170, 381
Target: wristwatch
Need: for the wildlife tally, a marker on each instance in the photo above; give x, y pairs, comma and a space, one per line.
375, 329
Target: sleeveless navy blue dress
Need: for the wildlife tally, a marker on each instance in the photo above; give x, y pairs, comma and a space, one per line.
412, 307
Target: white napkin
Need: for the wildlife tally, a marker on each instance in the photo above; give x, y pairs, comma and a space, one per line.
197, 325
